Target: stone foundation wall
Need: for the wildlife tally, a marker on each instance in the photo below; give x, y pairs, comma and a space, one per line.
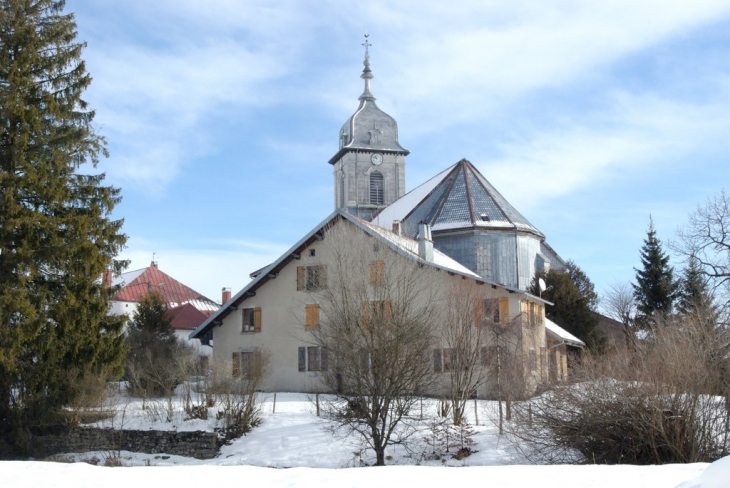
200, 445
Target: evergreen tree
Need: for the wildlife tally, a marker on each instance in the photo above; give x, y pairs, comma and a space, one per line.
572, 302
153, 349
694, 295
655, 289
56, 232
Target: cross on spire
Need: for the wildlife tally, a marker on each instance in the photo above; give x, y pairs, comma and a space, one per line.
367, 45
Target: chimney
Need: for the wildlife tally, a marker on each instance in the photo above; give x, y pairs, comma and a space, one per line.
397, 229
226, 295
154, 264
425, 243
106, 279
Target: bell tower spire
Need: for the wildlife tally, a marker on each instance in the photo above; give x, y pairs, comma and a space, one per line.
369, 168
366, 75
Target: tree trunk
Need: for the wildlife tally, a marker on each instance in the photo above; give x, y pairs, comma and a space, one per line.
380, 457
501, 419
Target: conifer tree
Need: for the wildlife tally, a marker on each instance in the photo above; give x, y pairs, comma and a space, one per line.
57, 235
655, 289
694, 295
152, 368
574, 298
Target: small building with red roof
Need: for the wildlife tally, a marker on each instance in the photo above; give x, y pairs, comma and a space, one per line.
186, 308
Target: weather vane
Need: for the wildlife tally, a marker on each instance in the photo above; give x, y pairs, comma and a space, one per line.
367, 45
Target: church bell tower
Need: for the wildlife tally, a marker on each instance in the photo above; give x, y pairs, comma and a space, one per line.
369, 168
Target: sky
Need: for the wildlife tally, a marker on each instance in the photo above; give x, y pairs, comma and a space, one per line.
589, 117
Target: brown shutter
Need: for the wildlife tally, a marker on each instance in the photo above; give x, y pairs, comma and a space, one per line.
377, 272
504, 310
365, 316
478, 313
301, 278
236, 362
388, 310
311, 313
257, 319
258, 365
437, 366
302, 359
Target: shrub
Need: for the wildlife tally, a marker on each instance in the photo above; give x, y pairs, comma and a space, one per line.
661, 402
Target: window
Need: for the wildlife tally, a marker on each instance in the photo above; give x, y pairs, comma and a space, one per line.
376, 188
251, 320
486, 311
532, 312
377, 273
311, 316
312, 252
246, 363
312, 358
311, 278
446, 359
377, 313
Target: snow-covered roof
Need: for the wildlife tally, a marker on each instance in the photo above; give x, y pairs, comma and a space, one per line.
137, 284
563, 334
407, 247
458, 198
411, 246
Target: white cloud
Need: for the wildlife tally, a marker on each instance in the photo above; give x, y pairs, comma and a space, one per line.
637, 133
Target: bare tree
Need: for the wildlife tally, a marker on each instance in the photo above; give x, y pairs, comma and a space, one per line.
504, 359
464, 333
619, 302
376, 334
654, 403
706, 238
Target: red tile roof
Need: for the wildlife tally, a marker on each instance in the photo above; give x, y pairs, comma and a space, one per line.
186, 317
173, 292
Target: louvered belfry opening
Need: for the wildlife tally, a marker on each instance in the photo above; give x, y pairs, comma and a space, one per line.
376, 188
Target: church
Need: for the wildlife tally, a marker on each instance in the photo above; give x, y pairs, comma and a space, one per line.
470, 220
456, 224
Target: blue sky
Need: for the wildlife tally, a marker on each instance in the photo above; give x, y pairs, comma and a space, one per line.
587, 116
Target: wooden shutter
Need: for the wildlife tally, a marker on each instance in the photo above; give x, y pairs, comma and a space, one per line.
302, 359
257, 319
236, 363
258, 365
311, 316
301, 278
437, 363
388, 310
377, 272
504, 310
479, 313
365, 316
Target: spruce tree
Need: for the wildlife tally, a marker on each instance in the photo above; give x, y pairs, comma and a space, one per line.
152, 366
573, 296
655, 289
57, 235
694, 297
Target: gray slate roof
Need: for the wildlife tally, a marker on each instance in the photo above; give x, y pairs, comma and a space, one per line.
369, 128
458, 198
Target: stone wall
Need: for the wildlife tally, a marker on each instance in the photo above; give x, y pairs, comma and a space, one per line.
199, 444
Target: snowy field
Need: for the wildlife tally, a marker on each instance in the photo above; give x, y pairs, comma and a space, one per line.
293, 437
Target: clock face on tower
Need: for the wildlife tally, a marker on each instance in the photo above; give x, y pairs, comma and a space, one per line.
376, 159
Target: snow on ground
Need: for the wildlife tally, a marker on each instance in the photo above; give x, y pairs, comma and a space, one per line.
293, 437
